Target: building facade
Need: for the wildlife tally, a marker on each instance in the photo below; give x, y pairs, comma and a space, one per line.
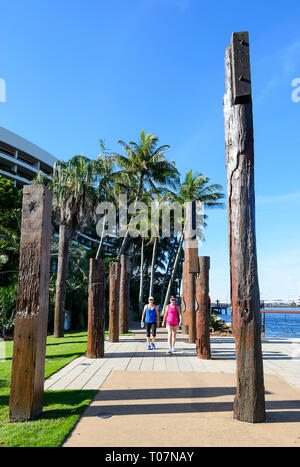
21, 160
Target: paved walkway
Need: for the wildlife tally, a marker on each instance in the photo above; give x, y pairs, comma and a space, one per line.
172, 409
149, 398
281, 357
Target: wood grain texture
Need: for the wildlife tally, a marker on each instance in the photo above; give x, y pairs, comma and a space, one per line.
124, 294
190, 287
241, 82
249, 403
30, 333
96, 309
185, 316
114, 293
203, 312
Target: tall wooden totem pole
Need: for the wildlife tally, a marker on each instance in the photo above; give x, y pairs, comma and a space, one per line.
249, 403
124, 294
30, 333
96, 309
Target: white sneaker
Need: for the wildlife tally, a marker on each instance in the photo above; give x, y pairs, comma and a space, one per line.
170, 351
173, 350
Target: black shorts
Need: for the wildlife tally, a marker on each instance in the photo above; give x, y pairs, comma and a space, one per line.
151, 326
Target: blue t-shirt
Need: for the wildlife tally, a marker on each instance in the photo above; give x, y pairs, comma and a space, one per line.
150, 315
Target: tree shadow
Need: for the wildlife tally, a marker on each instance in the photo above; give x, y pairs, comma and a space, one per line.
66, 355
72, 399
66, 397
163, 393
278, 416
66, 343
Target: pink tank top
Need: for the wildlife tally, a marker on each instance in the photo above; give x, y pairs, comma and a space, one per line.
172, 319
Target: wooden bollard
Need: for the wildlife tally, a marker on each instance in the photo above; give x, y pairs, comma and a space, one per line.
185, 327
30, 333
96, 309
124, 294
203, 311
249, 403
190, 305
114, 292
191, 268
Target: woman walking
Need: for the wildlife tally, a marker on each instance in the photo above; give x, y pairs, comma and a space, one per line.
151, 320
171, 318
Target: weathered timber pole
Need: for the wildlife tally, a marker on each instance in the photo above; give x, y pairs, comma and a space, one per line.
191, 262
185, 327
124, 294
114, 292
96, 309
190, 292
203, 311
30, 333
249, 403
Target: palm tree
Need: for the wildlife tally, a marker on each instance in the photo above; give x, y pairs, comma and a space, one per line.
156, 196
146, 162
195, 187
173, 272
141, 292
74, 199
106, 189
154, 240
171, 253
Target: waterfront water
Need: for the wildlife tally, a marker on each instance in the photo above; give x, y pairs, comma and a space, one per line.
277, 324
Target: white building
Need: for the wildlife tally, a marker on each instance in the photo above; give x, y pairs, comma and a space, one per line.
20, 160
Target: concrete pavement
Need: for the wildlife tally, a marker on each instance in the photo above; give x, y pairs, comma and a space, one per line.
281, 357
153, 399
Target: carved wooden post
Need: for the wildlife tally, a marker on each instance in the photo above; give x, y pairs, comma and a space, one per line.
203, 312
114, 292
124, 294
190, 292
249, 403
191, 268
185, 327
96, 309
30, 334
191, 261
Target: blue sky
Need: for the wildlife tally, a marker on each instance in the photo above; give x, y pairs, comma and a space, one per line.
78, 71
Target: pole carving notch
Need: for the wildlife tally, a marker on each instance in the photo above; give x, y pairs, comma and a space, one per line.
241, 76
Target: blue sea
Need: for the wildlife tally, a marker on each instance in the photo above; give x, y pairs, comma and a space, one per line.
276, 324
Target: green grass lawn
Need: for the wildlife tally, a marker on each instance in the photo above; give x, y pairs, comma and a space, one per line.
61, 409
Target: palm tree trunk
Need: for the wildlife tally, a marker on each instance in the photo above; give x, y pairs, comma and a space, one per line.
167, 297
141, 278
152, 267
133, 263
126, 238
132, 267
102, 237
171, 258
65, 235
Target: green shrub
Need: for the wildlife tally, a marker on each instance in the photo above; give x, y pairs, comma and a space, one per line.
8, 301
217, 324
